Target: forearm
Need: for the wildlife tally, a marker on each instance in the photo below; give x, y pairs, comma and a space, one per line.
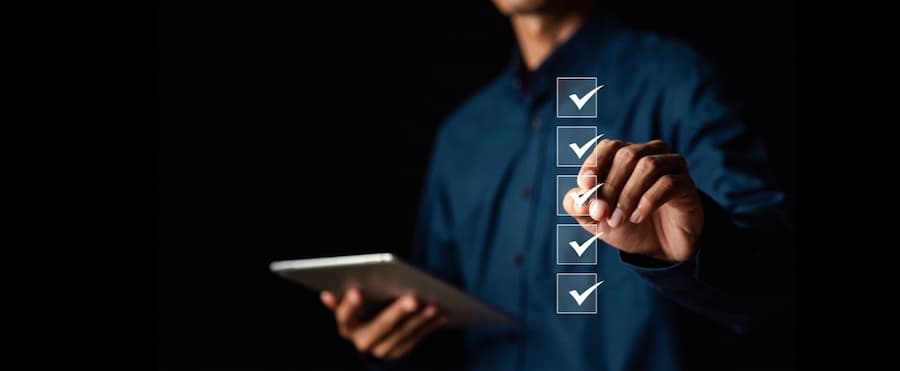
737, 274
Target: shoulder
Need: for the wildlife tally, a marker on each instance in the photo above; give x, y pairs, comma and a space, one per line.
655, 56
468, 119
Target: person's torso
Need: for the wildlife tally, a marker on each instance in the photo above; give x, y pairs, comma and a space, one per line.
503, 188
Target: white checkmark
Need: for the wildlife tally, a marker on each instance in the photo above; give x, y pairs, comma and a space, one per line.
580, 199
579, 298
579, 151
580, 249
580, 102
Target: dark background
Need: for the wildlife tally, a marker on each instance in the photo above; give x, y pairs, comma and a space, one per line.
247, 88
160, 156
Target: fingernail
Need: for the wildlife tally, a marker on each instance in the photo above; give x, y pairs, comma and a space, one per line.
616, 218
602, 208
636, 216
353, 297
595, 214
430, 311
409, 304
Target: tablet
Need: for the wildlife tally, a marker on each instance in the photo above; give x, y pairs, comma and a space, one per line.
384, 277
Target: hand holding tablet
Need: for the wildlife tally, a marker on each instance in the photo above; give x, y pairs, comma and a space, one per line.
383, 305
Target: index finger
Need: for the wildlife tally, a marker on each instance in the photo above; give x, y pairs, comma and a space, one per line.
604, 152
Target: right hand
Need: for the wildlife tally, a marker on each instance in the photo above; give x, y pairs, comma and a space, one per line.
390, 334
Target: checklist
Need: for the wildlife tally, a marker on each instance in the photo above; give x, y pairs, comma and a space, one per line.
575, 145
576, 293
576, 97
565, 184
576, 245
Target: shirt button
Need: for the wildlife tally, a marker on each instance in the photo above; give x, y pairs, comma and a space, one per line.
536, 124
517, 260
512, 337
525, 192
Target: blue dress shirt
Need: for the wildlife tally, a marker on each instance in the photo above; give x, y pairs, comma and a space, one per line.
488, 217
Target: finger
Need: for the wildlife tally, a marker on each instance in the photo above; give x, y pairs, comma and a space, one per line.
603, 152
409, 327
571, 207
647, 171
410, 342
596, 221
665, 189
386, 321
348, 312
623, 164
597, 210
329, 300
588, 215
586, 221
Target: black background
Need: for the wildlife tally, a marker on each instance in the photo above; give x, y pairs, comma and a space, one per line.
246, 90
149, 234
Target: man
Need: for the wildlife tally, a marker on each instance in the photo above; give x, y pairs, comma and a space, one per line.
685, 214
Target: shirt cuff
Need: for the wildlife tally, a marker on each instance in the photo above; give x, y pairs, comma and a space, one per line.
661, 273
674, 276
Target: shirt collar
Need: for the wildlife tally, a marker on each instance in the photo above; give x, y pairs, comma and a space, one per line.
568, 59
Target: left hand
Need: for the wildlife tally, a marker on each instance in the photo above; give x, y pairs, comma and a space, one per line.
648, 203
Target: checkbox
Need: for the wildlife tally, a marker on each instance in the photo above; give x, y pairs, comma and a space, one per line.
566, 182
576, 97
575, 145
575, 245
576, 293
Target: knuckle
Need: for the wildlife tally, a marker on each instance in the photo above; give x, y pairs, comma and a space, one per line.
362, 344
610, 143
648, 165
667, 182
627, 154
648, 200
380, 352
659, 143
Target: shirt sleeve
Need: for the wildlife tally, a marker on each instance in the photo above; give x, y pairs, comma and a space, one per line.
740, 272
